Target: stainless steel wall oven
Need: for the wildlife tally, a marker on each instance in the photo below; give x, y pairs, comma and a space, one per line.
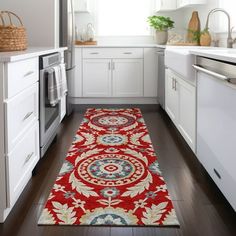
49, 115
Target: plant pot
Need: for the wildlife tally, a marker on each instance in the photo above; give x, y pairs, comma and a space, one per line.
161, 37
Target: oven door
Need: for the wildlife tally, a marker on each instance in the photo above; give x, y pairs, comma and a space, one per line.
49, 115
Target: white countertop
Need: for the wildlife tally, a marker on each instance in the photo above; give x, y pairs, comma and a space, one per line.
30, 52
145, 45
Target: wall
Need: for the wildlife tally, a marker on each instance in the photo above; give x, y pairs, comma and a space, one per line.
40, 19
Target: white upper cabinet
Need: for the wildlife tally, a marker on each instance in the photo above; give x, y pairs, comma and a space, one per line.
165, 5
81, 5
187, 3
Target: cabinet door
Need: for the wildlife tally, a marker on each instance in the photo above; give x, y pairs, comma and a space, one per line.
171, 96
187, 111
165, 5
127, 77
96, 78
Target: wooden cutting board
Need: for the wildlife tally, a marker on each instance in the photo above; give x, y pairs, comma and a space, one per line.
193, 26
86, 43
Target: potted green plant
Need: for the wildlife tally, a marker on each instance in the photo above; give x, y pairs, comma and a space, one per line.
161, 24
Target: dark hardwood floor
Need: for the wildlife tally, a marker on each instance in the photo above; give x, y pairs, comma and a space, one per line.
201, 208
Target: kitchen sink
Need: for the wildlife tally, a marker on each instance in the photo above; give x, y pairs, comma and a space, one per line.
180, 60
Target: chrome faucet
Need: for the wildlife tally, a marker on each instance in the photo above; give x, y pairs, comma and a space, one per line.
230, 40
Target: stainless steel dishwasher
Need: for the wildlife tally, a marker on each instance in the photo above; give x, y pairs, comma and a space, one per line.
161, 76
216, 122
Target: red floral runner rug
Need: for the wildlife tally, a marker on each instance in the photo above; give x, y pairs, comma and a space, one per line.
110, 176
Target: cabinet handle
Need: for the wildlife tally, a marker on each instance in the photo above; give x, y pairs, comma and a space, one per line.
28, 115
127, 53
217, 173
28, 74
173, 83
28, 158
109, 66
94, 53
113, 66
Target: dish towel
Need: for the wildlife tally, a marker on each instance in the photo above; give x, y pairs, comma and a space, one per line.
54, 92
63, 81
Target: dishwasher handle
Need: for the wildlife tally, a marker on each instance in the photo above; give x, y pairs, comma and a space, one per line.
212, 73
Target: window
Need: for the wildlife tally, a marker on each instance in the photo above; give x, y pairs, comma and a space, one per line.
230, 7
123, 17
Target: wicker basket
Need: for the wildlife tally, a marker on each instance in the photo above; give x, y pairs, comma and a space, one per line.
12, 38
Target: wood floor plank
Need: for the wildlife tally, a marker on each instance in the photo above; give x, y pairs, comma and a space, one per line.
118, 231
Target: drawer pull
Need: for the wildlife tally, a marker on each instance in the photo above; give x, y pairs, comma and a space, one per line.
28, 158
173, 83
94, 53
28, 74
28, 115
128, 53
217, 174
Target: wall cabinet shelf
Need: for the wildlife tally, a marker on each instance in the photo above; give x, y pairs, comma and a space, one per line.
171, 5
188, 3
165, 5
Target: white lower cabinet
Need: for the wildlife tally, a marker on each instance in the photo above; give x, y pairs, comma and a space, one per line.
112, 77
19, 136
181, 106
127, 77
20, 163
96, 78
115, 74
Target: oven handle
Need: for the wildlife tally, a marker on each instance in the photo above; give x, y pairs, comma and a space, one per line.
212, 73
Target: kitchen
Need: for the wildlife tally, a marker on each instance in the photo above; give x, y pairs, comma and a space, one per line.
99, 75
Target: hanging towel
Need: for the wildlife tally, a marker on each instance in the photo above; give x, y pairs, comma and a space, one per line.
57, 74
53, 86
63, 80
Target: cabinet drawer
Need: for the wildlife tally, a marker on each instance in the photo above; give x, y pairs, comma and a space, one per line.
20, 163
223, 179
20, 112
20, 75
113, 53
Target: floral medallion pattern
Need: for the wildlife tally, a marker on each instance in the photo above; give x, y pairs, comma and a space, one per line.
110, 176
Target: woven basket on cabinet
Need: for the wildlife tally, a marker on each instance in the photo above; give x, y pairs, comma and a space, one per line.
12, 38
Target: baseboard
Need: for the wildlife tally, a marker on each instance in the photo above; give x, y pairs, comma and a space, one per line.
114, 101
